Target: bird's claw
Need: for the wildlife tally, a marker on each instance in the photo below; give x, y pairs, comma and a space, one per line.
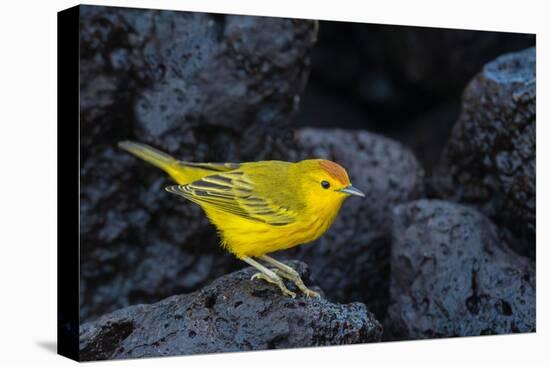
277, 281
311, 294
295, 278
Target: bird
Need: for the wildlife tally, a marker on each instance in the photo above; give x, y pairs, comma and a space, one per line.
260, 207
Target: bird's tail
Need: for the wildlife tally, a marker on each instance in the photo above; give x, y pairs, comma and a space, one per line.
182, 172
157, 158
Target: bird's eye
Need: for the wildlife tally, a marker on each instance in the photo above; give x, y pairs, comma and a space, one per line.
325, 184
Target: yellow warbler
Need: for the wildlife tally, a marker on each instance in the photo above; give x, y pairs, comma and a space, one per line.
260, 207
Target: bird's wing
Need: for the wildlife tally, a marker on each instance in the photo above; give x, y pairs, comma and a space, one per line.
211, 167
233, 192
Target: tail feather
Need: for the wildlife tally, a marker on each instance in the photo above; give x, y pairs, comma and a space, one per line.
181, 172
149, 154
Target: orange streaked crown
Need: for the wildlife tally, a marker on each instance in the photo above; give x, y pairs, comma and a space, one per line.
335, 171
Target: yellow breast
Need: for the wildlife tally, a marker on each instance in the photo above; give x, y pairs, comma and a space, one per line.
252, 238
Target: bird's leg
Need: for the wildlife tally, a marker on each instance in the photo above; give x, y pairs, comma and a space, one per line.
291, 274
269, 276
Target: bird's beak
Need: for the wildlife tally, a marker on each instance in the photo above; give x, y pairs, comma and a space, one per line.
352, 191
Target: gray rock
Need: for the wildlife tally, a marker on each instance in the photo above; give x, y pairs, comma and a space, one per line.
453, 276
183, 79
351, 260
490, 159
240, 81
233, 313
202, 87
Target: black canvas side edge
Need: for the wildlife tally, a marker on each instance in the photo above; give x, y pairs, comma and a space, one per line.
68, 173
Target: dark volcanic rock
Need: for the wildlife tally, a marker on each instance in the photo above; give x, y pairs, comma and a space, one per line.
351, 261
203, 87
490, 159
171, 77
453, 276
232, 314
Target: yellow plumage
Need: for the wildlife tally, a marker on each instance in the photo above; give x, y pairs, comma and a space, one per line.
258, 207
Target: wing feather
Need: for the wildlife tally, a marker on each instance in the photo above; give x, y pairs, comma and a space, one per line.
234, 192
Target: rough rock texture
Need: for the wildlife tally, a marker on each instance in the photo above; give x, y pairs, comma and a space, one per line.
351, 260
453, 276
231, 314
490, 159
200, 86
160, 74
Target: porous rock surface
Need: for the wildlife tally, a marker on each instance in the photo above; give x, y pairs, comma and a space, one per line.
351, 260
202, 87
172, 77
490, 159
233, 313
453, 276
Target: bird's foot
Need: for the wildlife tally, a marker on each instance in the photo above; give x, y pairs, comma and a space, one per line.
309, 293
295, 278
285, 271
274, 280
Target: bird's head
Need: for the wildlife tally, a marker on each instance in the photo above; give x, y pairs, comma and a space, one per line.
325, 182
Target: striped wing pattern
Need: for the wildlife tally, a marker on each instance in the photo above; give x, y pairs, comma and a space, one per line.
234, 193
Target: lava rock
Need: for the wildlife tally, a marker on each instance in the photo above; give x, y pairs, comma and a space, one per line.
187, 79
490, 158
351, 260
203, 87
453, 276
241, 81
233, 313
